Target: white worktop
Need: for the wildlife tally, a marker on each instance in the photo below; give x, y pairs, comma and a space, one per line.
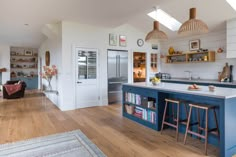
220, 92
201, 81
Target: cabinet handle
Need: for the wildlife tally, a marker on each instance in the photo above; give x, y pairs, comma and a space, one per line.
79, 82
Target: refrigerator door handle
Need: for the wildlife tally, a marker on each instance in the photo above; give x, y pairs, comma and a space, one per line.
116, 65
119, 65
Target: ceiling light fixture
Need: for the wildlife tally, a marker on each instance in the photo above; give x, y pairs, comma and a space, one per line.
232, 3
193, 26
155, 35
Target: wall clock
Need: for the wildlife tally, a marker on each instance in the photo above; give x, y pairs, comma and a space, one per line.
140, 42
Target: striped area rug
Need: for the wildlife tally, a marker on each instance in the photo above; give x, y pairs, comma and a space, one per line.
69, 144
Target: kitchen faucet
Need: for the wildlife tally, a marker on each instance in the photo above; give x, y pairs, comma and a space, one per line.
189, 74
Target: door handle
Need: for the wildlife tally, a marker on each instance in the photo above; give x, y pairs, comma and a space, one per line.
79, 82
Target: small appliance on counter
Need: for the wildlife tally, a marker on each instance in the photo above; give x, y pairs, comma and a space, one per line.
163, 75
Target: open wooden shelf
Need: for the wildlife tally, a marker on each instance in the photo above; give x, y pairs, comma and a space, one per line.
192, 57
24, 56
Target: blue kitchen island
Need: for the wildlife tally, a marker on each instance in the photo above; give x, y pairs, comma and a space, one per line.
144, 103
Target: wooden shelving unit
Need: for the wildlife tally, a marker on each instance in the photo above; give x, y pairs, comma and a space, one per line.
24, 65
139, 66
192, 57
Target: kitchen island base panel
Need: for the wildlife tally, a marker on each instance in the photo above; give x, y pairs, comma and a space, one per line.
225, 102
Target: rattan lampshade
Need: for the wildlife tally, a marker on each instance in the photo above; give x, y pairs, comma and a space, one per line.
155, 35
193, 26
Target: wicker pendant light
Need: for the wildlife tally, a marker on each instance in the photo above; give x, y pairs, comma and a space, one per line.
193, 26
155, 35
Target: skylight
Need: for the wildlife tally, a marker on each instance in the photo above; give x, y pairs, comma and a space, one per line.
232, 3
166, 19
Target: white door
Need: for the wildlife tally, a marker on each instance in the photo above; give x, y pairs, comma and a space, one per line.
86, 78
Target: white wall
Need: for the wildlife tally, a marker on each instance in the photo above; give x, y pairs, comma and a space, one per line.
87, 36
210, 41
5, 61
53, 44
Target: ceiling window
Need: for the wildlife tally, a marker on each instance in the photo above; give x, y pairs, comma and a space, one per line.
165, 19
232, 3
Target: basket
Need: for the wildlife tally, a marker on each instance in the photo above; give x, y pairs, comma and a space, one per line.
129, 109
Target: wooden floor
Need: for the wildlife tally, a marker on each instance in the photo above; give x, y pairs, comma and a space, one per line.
116, 136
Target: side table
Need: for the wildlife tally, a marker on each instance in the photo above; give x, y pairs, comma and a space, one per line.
49, 92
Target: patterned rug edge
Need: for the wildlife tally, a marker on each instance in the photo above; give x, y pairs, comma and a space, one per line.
73, 132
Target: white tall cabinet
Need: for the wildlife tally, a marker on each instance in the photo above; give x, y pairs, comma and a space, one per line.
231, 38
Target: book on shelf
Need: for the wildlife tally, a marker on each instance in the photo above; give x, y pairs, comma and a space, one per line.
145, 114
139, 100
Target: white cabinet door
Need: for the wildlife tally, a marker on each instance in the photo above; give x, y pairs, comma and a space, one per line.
231, 38
86, 78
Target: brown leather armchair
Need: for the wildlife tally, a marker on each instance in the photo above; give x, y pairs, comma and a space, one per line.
18, 94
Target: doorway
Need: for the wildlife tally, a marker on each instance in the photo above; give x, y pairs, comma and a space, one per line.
87, 88
139, 67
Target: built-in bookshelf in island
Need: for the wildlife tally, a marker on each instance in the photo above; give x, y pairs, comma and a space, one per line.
142, 106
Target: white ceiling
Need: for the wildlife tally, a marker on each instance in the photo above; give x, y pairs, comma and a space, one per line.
110, 13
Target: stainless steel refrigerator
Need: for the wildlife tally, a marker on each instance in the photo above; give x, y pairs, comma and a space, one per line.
117, 69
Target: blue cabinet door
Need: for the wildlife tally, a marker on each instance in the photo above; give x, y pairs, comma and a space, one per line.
31, 82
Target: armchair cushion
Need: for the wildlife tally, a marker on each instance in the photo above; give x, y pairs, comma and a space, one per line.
12, 89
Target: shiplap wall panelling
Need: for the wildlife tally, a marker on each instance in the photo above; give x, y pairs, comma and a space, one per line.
231, 38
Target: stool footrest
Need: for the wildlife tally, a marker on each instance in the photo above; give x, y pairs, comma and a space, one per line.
196, 134
213, 131
201, 128
169, 124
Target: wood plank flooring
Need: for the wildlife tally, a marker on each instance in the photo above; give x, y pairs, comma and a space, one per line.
115, 135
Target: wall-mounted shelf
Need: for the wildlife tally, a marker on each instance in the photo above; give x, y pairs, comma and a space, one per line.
192, 57
34, 56
24, 68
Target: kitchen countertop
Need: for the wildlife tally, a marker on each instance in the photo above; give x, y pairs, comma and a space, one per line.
200, 81
220, 92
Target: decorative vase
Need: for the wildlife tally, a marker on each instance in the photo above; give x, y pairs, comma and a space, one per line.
171, 50
49, 87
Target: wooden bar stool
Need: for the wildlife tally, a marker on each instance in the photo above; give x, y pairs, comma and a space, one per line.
214, 131
175, 119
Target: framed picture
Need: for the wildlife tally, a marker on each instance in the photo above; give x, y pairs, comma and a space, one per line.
194, 45
122, 40
28, 52
112, 39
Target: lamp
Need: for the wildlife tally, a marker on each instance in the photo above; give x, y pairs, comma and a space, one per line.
155, 35
193, 25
